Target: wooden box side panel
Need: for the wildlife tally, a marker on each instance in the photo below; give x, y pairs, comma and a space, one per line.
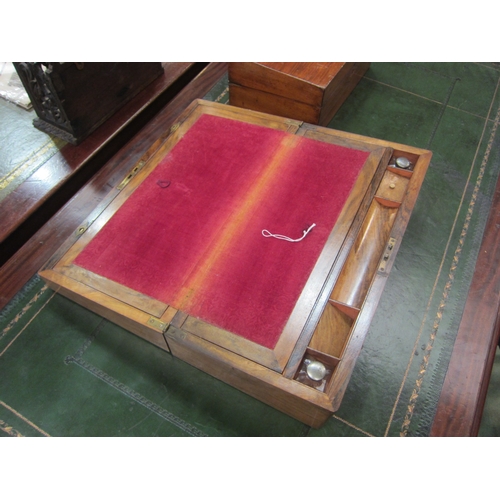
265, 102
259, 77
300, 402
311, 92
340, 89
133, 320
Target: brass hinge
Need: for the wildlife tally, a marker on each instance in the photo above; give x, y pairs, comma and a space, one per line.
387, 254
130, 175
157, 324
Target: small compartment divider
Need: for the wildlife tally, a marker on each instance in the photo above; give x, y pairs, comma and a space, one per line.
333, 329
352, 312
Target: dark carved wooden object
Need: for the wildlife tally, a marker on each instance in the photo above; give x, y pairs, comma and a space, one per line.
72, 99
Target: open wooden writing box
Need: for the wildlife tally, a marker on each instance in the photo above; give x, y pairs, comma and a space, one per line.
181, 253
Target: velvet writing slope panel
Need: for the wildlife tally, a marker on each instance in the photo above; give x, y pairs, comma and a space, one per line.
191, 235
182, 254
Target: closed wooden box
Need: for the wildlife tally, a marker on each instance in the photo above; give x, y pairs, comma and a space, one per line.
72, 99
310, 92
253, 247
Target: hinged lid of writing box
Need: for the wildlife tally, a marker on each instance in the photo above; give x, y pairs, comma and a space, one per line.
250, 234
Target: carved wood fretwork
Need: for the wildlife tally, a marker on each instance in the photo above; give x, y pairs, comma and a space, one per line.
37, 80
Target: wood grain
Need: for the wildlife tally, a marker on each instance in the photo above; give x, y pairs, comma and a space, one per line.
266, 102
133, 320
341, 243
270, 78
312, 92
297, 400
277, 358
361, 264
332, 331
462, 398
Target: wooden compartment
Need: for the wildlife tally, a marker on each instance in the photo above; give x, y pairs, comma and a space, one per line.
337, 319
392, 189
179, 254
312, 92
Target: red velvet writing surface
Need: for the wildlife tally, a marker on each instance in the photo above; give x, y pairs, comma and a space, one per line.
191, 233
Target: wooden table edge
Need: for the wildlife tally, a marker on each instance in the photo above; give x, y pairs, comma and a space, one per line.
461, 403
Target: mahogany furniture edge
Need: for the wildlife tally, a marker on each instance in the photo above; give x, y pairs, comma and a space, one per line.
463, 394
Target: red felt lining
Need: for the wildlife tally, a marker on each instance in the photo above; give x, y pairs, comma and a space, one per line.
190, 234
